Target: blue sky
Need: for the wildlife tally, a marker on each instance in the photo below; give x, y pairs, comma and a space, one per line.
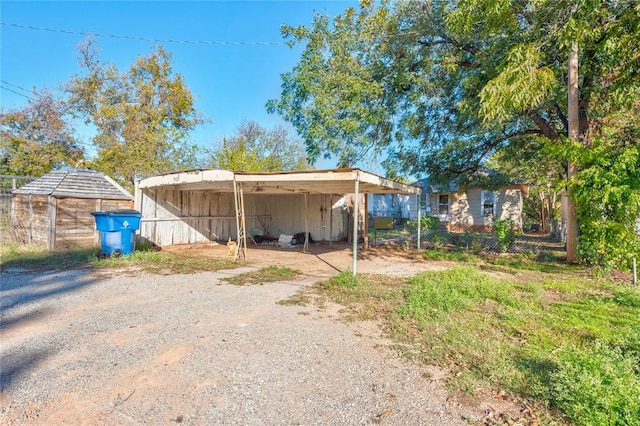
230, 82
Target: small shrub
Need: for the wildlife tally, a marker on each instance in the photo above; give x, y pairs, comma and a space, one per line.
627, 297
476, 246
427, 223
504, 230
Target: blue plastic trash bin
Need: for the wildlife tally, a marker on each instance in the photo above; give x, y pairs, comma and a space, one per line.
117, 231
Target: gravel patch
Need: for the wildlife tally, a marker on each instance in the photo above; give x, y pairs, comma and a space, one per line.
82, 348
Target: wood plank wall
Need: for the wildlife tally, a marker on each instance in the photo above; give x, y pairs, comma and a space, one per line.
29, 219
171, 217
60, 223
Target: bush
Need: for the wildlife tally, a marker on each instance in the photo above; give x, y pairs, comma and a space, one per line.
607, 196
598, 385
427, 223
505, 232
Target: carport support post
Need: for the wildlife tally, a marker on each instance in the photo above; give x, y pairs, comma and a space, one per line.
356, 212
331, 221
419, 220
241, 237
305, 249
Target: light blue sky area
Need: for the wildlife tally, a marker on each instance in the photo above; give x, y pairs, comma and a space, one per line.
231, 82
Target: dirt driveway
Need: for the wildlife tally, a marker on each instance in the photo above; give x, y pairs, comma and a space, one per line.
82, 347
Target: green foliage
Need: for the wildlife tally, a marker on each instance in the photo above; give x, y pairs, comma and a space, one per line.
427, 223
37, 138
440, 86
445, 84
566, 342
256, 149
606, 191
142, 116
343, 279
533, 160
597, 385
505, 232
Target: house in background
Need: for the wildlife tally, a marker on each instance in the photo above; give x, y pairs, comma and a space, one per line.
55, 210
396, 206
472, 208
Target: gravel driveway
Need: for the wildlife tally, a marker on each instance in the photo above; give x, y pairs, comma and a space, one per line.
83, 348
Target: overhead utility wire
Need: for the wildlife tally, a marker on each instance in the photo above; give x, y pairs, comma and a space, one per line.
16, 86
153, 40
17, 93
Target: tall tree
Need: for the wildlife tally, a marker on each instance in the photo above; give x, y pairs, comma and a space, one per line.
142, 116
440, 85
254, 148
38, 138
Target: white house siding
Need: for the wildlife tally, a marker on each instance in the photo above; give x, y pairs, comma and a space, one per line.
170, 216
460, 215
395, 205
466, 213
509, 205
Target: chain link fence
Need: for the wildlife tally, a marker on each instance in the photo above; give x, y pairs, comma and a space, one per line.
538, 246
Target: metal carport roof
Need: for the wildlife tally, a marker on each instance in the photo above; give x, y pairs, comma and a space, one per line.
333, 181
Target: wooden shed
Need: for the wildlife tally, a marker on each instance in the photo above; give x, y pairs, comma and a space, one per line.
55, 210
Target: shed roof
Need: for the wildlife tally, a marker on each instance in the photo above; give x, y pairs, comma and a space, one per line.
333, 181
77, 183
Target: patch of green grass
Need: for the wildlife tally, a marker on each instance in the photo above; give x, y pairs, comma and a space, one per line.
456, 256
37, 258
373, 294
265, 275
343, 279
159, 262
565, 342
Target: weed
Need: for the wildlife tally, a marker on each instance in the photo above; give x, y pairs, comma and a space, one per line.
596, 385
265, 275
343, 279
298, 299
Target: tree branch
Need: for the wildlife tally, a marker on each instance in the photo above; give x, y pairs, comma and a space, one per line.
562, 117
544, 126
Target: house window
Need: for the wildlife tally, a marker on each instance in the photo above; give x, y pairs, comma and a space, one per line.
425, 205
488, 203
443, 204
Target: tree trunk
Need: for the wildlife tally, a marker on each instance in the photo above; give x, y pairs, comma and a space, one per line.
572, 223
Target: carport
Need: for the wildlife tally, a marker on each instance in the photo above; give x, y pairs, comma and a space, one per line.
193, 206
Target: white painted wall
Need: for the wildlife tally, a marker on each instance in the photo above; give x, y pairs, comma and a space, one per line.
170, 216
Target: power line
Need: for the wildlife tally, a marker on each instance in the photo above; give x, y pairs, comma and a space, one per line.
148, 39
17, 93
16, 86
